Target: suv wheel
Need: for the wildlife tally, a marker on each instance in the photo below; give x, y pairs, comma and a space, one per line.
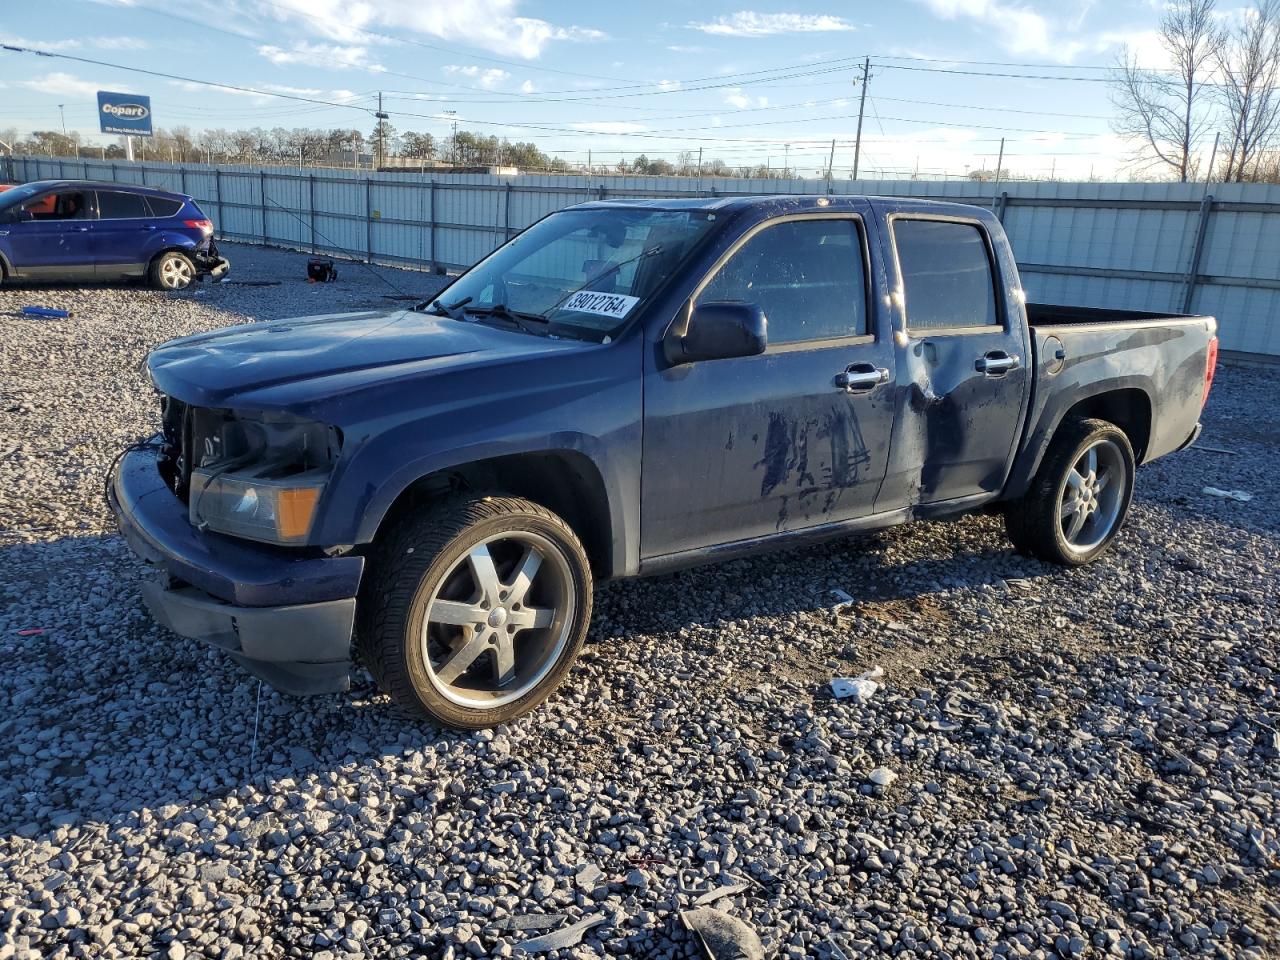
171, 270
473, 612
1079, 498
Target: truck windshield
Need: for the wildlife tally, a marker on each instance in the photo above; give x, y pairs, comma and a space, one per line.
582, 271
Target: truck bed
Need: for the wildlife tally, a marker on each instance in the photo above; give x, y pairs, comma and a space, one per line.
1053, 314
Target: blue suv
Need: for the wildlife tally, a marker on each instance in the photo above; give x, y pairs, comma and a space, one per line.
84, 230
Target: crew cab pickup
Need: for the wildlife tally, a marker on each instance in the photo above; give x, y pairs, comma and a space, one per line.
625, 388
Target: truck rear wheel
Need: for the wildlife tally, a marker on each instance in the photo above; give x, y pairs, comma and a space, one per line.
1079, 498
473, 611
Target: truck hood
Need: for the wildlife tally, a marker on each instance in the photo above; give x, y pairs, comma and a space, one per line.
336, 353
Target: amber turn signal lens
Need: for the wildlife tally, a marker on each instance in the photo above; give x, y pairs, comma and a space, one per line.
295, 510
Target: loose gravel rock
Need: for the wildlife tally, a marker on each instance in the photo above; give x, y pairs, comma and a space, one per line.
1059, 763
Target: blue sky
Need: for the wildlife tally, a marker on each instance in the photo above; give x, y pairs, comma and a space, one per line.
740, 79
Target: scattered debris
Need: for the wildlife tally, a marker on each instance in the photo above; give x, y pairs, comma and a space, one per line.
251, 283
1201, 446
569, 936
882, 776
861, 687
723, 937
50, 313
1238, 495
843, 600
588, 877
711, 896
532, 921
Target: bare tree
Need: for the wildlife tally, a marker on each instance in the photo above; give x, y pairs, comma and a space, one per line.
1166, 111
1249, 62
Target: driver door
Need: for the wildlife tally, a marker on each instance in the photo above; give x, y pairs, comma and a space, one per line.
51, 236
743, 448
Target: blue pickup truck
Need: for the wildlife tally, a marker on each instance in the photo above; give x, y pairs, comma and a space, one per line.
626, 388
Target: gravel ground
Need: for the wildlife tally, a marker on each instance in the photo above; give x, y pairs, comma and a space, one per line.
1058, 764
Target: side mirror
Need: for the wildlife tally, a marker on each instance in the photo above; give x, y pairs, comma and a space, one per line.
720, 331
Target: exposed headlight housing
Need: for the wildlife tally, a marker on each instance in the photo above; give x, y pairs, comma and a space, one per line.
259, 476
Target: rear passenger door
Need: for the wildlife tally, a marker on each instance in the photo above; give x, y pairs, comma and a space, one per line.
736, 449
962, 367
124, 233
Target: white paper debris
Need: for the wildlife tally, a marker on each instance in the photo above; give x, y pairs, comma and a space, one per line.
882, 776
1238, 495
862, 687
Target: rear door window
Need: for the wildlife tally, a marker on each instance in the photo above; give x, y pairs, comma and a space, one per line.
806, 275
117, 205
946, 274
164, 206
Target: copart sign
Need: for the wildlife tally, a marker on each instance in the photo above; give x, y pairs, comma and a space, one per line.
128, 113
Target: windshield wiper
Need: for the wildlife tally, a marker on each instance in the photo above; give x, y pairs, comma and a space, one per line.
525, 321
449, 310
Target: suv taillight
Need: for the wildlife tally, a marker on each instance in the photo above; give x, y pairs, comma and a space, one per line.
206, 225
1210, 365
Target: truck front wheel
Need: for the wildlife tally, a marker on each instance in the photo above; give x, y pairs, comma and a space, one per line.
473, 611
1079, 498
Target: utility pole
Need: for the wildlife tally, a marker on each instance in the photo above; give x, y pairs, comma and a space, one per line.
382, 131
63, 114
862, 106
786, 161
830, 162
699, 162
999, 163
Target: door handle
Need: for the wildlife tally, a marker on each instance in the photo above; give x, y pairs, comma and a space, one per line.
861, 378
81, 230
996, 363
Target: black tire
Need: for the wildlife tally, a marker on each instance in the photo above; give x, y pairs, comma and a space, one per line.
418, 559
1035, 522
171, 270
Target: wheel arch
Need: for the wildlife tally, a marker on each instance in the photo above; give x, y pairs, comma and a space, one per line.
1127, 404
566, 482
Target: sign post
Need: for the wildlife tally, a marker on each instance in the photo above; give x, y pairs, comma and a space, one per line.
125, 113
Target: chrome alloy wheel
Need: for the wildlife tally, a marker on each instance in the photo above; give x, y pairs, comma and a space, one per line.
498, 620
175, 273
1092, 496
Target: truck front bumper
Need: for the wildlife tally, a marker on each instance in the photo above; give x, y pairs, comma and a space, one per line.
285, 616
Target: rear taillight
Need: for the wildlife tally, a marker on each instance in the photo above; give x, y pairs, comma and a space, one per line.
205, 225
1210, 365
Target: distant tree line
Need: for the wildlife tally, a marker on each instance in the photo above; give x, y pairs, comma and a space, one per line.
349, 147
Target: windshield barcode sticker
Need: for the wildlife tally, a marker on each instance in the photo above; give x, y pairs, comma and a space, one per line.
613, 305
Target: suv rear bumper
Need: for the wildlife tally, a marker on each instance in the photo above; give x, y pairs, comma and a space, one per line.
286, 617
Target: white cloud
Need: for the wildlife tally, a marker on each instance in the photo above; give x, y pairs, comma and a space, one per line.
50, 45
335, 56
734, 97
528, 87
748, 23
610, 126
488, 24
668, 84
1017, 28
120, 43
343, 95
488, 78
294, 91
62, 84
683, 48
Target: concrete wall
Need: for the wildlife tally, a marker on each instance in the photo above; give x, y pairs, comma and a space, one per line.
1152, 246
